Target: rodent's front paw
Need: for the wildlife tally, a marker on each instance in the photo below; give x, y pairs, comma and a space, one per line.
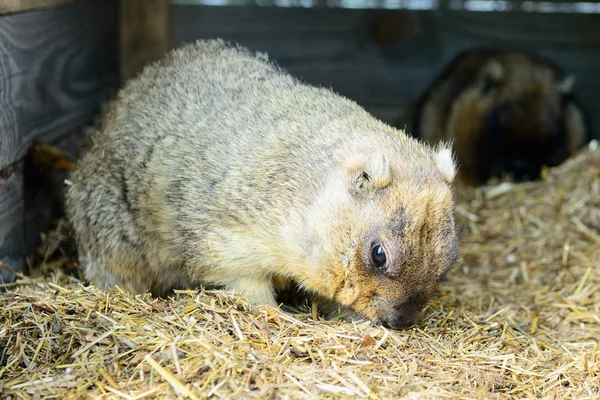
258, 291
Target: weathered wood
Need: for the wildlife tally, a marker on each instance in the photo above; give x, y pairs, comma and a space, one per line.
335, 47
145, 33
56, 67
13, 6
12, 238
562, 7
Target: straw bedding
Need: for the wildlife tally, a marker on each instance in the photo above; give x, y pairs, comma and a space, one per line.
519, 317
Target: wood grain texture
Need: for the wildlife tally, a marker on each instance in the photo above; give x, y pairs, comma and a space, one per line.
56, 67
145, 33
12, 238
13, 6
386, 59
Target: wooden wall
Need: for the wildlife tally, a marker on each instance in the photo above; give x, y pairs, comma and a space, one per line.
385, 59
56, 66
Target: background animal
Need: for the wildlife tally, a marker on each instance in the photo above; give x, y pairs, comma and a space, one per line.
216, 167
506, 112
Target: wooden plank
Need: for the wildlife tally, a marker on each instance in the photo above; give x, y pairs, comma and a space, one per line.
56, 67
14, 6
12, 240
562, 7
337, 47
145, 33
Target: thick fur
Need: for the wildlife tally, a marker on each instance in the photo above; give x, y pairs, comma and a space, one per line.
506, 112
216, 167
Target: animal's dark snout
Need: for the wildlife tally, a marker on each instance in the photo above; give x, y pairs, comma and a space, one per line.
520, 170
524, 170
407, 311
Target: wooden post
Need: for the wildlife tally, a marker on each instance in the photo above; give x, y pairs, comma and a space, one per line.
145, 34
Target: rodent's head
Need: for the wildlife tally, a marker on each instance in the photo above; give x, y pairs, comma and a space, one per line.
387, 234
516, 116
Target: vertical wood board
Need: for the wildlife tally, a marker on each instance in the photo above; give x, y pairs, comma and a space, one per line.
145, 33
56, 67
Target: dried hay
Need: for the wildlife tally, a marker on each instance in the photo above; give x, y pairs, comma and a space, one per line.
518, 318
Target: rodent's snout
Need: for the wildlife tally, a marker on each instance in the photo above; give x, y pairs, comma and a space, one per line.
519, 170
406, 312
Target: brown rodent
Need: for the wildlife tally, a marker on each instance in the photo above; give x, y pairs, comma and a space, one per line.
215, 167
506, 113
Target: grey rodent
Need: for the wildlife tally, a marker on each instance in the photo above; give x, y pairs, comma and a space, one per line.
214, 166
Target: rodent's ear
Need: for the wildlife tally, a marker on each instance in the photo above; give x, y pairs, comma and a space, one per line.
566, 85
495, 70
575, 126
493, 74
445, 161
369, 173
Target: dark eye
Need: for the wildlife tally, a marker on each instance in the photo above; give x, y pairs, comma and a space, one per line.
378, 257
487, 85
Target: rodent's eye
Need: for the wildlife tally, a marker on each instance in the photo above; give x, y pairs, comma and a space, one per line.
487, 84
378, 257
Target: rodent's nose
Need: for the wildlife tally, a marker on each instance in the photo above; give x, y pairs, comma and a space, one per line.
399, 324
407, 311
522, 170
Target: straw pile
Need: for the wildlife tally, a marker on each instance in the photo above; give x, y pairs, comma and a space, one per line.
518, 318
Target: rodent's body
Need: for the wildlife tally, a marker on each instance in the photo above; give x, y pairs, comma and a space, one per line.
216, 167
506, 112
